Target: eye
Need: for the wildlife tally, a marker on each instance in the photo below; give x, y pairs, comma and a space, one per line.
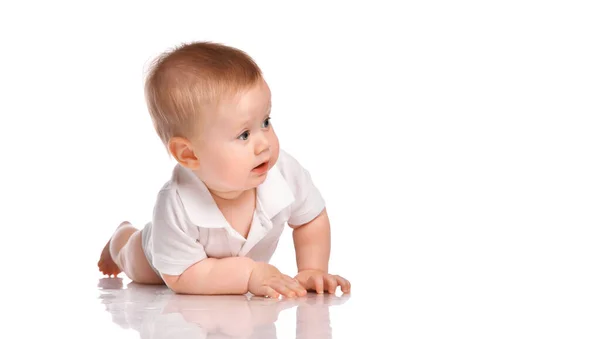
244, 136
266, 123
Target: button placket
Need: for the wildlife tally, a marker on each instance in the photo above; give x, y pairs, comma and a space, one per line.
265, 222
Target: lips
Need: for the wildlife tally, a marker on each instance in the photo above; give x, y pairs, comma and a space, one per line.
261, 168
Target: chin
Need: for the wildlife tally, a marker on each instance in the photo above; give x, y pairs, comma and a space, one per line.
262, 178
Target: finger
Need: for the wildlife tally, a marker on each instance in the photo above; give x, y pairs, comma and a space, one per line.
318, 283
289, 279
297, 290
331, 283
344, 284
280, 286
270, 292
306, 283
295, 285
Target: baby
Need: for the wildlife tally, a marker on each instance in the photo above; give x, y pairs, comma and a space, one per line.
217, 221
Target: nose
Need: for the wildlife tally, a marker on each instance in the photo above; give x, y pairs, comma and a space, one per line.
261, 143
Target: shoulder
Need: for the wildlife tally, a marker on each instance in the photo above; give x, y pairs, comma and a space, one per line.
308, 201
168, 192
168, 206
296, 175
289, 166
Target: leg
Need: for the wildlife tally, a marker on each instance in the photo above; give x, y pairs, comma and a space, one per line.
124, 253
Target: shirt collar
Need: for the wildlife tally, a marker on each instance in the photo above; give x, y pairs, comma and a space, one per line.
273, 196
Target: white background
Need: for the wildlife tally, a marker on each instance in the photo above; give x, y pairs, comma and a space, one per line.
456, 142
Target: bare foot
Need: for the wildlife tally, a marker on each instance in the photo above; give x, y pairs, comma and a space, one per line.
106, 264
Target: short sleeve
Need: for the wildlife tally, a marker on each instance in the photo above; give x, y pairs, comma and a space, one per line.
309, 202
174, 239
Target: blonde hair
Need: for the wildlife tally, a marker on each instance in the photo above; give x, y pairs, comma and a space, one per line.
188, 80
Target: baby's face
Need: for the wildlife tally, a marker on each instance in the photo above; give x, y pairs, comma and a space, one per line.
238, 144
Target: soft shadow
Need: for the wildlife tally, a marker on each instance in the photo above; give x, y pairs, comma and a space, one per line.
156, 312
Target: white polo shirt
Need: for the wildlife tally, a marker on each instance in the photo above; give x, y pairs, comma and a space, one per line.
187, 225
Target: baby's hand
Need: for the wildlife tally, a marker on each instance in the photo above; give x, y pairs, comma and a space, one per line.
319, 281
266, 280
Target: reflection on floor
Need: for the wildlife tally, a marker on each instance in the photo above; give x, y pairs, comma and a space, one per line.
156, 312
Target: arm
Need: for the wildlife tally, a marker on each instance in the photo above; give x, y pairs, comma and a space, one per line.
233, 275
312, 235
313, 244
213, 276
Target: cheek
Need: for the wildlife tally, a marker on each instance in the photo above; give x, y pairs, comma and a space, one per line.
232, 161
235, 162
227, 171
274, 142
219, 161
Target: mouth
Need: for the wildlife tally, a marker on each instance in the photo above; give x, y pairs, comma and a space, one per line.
262, 168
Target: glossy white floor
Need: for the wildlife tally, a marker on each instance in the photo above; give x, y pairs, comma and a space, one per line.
155, 312
465, 301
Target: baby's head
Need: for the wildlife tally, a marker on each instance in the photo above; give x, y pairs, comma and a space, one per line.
210, 107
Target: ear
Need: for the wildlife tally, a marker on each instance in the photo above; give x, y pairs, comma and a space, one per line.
182, 150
